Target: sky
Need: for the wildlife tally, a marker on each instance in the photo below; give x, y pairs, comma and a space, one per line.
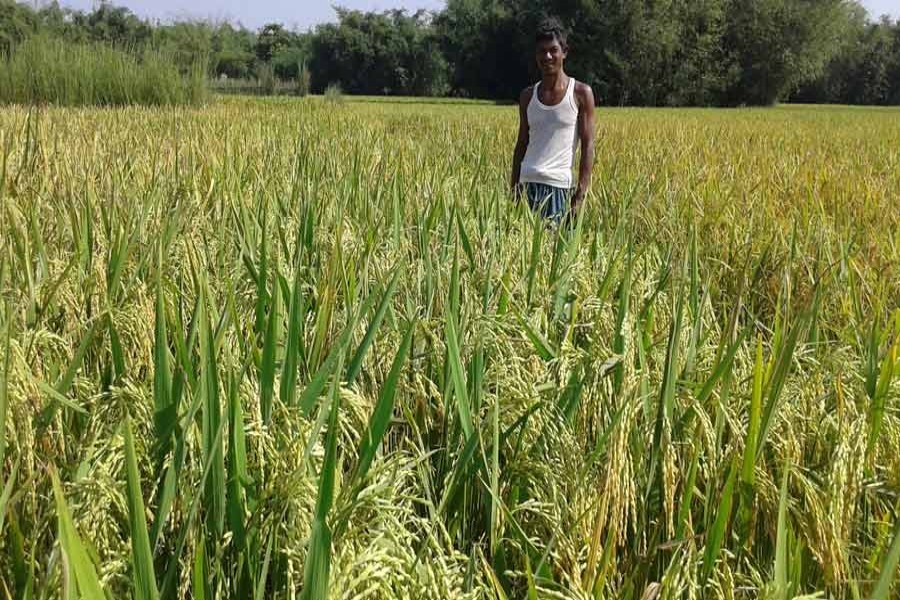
302, 14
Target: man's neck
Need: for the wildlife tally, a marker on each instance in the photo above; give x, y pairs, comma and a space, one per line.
555, 81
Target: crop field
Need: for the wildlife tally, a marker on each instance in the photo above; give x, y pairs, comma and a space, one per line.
295, 348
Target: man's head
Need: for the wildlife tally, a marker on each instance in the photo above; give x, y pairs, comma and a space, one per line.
551, 47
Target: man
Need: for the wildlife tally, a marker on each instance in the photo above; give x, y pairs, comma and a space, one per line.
554, 115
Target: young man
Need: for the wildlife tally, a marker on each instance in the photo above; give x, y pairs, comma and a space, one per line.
554, 115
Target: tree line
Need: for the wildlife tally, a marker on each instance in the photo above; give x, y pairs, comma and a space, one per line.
632, 52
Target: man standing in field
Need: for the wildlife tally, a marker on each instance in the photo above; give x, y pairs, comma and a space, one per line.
554, 115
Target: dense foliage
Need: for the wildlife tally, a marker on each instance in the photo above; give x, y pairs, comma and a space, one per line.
389, 53
634, 52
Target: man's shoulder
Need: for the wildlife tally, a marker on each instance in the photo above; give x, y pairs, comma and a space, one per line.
583, 89
525, 95
584, 93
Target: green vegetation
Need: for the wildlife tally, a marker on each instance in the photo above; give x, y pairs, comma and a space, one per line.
286, 347
632, 52
334, 94
44, 70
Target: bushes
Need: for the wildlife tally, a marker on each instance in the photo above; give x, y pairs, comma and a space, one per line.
389, 53
45, 70
265, 79
303, 80
334, 94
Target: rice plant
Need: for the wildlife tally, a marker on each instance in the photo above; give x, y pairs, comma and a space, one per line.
292, 348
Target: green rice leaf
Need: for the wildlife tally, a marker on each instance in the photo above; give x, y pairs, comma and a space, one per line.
115, 347
540, 343
4, 388
687, 494
292, 350
77, 558
164, 411
716, 536
534, 259
722, 369
622, 311
318, 563
776, 382
781, 541
259, 592
200, 587
53, 394
888, 576
879, 397
211, 419
144, 577
65, 382
356, 362
320, 378
318, 560
384, 408
237, 467
168, 587
267, 367
458, 376
754, 418
262, 276
7, 492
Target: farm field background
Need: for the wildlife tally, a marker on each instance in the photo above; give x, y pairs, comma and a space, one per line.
282, 348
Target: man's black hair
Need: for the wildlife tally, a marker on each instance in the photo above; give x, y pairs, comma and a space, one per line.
550, 29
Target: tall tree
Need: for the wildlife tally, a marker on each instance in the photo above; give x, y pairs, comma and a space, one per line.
378, 53
270, 39
232, 51
777, 45
115, 25
16, 23
700, 71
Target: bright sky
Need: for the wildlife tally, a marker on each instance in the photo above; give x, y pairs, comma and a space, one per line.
306, 13
883, 7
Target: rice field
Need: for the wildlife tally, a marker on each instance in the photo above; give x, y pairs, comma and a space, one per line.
289, 348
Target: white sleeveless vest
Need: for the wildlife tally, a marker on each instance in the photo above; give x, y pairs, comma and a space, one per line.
552, 139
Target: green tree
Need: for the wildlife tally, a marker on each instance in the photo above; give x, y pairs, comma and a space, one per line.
16, 23
378, 53
838, 82
232, 51
777, 45
700, 71
115, 25
270, 39
876, 73
287, 59
482, 43
186, 43
895, 67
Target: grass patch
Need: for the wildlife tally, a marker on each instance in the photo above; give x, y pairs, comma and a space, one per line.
43, 70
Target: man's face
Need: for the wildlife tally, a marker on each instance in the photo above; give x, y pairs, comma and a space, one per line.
550, 55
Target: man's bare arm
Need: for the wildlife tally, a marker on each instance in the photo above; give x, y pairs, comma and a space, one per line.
522, 141
585, 97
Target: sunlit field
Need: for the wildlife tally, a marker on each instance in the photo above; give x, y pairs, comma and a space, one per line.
300, 348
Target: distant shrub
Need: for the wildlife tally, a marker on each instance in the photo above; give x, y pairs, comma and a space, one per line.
303, 80
44, 70
334, 93
265, 78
